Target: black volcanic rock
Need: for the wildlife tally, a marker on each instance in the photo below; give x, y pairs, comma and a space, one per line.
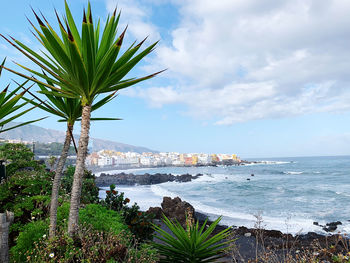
176, 209
141, 179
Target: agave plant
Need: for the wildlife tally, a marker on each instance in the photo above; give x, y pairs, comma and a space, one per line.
69, 110
82, 65
9, 105
193, 244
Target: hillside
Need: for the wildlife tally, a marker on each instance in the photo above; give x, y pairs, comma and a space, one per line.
43, 135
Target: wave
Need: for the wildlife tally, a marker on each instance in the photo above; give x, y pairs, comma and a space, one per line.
291, 172
267, 163
160, 191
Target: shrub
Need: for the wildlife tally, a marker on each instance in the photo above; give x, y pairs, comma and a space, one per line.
102, 219
32, 232
142, 254
27, 194
89, 245
94, 220
89, 192
140, 223
18, 156
193, 244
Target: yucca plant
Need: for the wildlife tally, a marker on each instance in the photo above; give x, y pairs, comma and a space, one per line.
69, 110
9, 105
192, 245
82, 65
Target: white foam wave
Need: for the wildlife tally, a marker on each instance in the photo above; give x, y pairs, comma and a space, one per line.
117, 171
292, 226
291, 172
147, 196
160, 191
265, 163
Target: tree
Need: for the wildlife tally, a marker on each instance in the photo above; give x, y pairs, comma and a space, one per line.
82, 65
8, 105
69, 110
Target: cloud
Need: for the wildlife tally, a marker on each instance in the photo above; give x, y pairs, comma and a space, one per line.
136, 16
247, 59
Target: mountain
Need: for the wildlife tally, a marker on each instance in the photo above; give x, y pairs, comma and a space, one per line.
43, 135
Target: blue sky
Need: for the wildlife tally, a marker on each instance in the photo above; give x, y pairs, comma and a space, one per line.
257, 78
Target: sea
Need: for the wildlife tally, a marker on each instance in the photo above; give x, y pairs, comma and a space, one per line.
286, 194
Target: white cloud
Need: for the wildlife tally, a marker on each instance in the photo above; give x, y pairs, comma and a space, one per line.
250, 59
136, 16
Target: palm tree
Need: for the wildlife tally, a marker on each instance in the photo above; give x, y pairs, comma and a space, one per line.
8, 105
69, 110
82, 65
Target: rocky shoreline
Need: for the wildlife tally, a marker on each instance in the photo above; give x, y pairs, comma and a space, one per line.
142, 179
251, 241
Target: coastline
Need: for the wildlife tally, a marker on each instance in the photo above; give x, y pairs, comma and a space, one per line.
136, 187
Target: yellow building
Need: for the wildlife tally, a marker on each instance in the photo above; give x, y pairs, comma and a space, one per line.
194, 159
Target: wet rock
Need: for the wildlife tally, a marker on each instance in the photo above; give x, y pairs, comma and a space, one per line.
332, 226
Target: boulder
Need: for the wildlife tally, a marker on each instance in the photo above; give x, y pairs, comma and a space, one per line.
176, 209
157, 211
332, 226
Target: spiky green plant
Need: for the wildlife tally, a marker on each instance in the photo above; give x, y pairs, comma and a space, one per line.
9, 105
82, 65
192, 245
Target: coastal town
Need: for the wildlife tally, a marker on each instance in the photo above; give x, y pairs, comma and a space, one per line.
148, 159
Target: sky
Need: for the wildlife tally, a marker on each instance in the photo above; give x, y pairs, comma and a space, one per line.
259, 78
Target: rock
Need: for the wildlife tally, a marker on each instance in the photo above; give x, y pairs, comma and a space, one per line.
334, 223
332, 226
252, 175
248, 179
176, 209
141, 179
157, 211
316, 223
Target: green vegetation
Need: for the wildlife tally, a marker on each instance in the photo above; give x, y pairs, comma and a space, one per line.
139, 223
82, 66
9, 105
104, 234
54, 148
89, 193
193, 244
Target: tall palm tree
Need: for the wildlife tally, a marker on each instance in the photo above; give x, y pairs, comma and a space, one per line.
69, 110
9, 105
82, 65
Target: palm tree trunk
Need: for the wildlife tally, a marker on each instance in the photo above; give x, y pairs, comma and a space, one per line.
79, 170
57, 181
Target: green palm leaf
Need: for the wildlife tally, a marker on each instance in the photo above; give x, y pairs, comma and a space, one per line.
193, 244
9, 105
80, 65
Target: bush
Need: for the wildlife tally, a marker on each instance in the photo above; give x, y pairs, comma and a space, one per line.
32, 232
94, 220
89, 192
18, 156
27, 194
89, 245
102, 219
143, 253
140, 223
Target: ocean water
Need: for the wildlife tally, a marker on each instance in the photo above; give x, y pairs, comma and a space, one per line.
289, 194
